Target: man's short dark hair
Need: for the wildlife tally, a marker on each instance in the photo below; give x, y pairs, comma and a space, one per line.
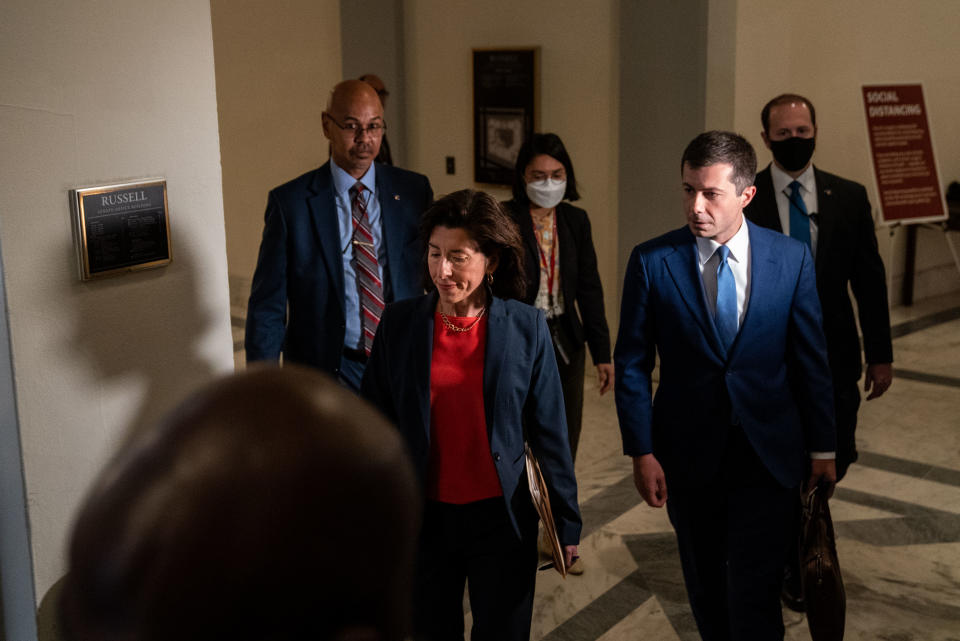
712, 147
785, 99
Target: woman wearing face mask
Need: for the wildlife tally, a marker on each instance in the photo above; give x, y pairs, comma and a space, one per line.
561, 269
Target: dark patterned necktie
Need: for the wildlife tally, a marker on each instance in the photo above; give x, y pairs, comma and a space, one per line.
369, 285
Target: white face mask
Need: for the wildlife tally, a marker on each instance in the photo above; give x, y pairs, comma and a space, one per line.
546, 193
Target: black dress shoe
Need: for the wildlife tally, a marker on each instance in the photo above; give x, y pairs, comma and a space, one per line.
791, 593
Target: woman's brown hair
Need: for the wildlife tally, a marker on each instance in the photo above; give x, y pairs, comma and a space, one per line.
489, 226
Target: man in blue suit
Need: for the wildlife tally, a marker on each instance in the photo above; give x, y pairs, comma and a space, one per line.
338, 243
744, 408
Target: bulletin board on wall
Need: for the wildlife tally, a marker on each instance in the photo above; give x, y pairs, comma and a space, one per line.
504, 109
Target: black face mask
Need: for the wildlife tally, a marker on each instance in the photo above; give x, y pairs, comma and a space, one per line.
793, 154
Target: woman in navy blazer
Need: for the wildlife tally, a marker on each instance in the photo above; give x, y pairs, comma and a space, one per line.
468, 375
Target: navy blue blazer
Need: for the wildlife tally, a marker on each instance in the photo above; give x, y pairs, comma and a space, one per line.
521, 394
300, 266
775, 381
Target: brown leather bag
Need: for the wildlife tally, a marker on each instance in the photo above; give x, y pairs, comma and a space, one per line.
823, 591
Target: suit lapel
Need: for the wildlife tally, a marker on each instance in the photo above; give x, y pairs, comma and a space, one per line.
826, 216
494, 353
683, 265
568, 255
323, 213
389, 224
765, 272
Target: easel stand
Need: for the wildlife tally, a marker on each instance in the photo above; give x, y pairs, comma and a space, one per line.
909, 267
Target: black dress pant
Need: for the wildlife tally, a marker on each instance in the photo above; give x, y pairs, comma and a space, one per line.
477, 545
732, 537
571, 379
846, 398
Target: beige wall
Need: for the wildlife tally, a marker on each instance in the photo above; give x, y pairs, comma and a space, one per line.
376, 46
662, 65
578, 94
826, 50
720, 68
94, 93
275, 66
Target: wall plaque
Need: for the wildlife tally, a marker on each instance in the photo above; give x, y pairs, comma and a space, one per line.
504, 100
121, 228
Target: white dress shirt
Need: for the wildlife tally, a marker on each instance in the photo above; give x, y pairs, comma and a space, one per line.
808, 191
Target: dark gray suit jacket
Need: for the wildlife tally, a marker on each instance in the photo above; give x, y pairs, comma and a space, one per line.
579, 278
846, 254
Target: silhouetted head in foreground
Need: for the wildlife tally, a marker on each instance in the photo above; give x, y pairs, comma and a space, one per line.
272, 505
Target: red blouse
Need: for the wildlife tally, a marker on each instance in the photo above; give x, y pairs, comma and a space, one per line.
461, 469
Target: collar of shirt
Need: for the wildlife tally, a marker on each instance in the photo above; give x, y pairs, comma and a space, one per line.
782, 180
739, 246
343, 182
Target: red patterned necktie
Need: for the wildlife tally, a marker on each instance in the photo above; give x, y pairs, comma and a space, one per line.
365, 263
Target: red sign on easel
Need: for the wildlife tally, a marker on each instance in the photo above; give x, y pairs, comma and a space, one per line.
902, 151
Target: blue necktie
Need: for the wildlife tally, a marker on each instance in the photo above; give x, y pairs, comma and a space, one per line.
726, 315
799, 220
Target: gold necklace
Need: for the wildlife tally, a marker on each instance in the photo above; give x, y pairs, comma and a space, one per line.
460, 330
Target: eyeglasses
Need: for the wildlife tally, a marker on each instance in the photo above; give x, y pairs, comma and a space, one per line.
355, 129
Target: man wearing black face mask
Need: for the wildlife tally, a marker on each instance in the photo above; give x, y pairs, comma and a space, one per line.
833, 216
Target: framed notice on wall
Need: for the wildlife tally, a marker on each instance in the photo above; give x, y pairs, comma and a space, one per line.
902, 151
121, 228
504, 103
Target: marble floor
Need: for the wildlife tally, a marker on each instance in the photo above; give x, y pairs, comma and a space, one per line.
897, 514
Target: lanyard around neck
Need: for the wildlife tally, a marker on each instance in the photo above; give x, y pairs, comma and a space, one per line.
551, 267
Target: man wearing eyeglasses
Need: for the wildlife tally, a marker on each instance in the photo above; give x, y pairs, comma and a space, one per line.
338, 243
